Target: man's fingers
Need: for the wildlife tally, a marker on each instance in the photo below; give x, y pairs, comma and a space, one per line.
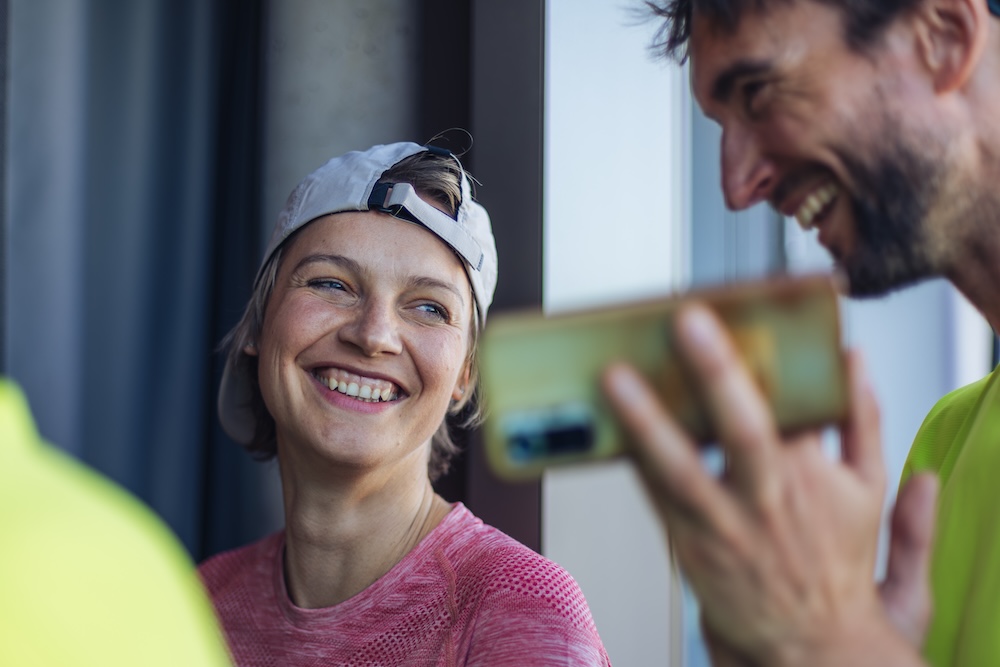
906, 589
667, 459
861, 437
719, 653
743, 419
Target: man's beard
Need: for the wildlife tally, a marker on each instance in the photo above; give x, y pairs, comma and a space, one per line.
890, 207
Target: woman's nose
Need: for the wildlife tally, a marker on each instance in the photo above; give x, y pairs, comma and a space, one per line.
748, 174
373, 329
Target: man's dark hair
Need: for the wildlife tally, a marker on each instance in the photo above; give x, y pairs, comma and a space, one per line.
863, 19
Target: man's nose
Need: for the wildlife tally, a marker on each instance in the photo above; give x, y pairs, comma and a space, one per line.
748, 174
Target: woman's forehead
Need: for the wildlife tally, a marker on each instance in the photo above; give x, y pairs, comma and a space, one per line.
379, 243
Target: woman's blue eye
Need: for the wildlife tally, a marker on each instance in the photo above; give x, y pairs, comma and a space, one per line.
434, 309
326, 283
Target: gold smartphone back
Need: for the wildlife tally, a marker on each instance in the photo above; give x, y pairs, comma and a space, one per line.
540, 375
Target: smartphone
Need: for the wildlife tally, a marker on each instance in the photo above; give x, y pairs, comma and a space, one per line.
540, 374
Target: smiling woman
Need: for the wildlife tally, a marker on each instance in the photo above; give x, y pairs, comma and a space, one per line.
358, 342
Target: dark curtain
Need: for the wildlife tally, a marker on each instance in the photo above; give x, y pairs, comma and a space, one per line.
236, 508
132, 237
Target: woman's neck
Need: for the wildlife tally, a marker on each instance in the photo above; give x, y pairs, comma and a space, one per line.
342, 536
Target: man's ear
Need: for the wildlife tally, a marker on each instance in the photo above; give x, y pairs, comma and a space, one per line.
250, 349
952, 35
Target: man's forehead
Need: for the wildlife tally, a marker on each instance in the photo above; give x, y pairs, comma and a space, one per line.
745, 25
716, 46
722, 47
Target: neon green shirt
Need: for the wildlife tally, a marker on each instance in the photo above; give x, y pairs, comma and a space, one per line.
88, 575
960, 439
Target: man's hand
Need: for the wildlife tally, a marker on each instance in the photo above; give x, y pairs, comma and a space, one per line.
905, 591
781, 549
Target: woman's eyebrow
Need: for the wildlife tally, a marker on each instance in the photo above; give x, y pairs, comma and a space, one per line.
355, 267
340, 260
434, 283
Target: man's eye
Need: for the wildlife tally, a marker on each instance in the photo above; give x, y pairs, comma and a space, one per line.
752, 96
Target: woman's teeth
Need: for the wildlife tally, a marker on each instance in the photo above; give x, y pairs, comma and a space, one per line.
815, 203
363, 389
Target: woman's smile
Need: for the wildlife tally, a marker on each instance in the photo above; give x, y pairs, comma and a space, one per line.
362, 388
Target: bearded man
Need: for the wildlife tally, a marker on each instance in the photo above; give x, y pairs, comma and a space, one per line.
874, 123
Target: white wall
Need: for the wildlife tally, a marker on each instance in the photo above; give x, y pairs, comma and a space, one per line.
341, 76
615, 212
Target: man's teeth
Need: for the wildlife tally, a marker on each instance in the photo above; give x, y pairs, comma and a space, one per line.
363, 389
815, 203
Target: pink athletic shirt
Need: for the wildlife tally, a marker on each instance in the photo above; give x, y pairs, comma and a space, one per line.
466, 595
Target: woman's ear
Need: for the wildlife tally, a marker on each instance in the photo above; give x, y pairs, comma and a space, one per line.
952, 35
250, 349
463, 384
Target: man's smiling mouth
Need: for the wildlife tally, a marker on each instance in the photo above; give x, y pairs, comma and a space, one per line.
817, 201
356, 386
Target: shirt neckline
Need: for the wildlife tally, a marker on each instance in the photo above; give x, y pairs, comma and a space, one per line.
322, 617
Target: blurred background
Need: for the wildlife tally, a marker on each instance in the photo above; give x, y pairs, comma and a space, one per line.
149, 147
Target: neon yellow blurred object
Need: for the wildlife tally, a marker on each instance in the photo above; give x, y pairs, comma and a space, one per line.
88, 575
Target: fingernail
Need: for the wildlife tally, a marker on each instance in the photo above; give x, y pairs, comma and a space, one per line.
861, 379
841, 283
697, 327
623, 383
